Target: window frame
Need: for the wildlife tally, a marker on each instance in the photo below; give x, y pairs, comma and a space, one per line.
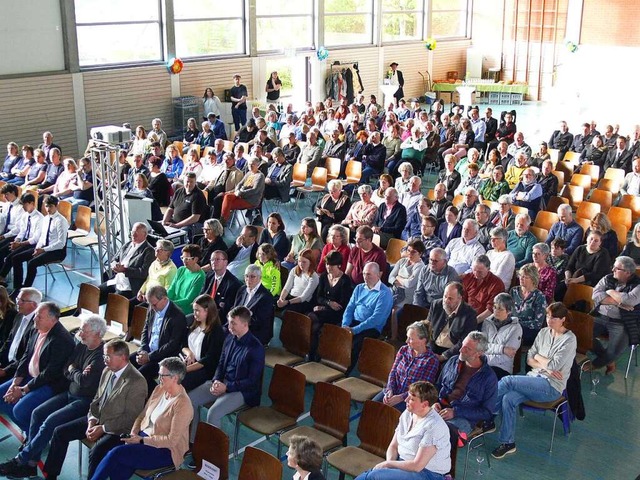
373, 26
422, 18
314, 26
467, 26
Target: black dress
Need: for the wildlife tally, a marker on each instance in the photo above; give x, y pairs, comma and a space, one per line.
161, 189
208, 248
633, 251
280, 242
6, 324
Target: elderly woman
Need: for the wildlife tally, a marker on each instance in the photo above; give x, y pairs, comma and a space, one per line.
62, 187
503, 263
528, 303
550, 359
402, 182
276, 235
333, 207
160, 435
504, 334
337, 240
297, 293
267, 260
405, 273
211, 241
420, 448
495, 186
362, 212
307, 238
450, 228
547, 274
414, 362
189, 279
504, 216
472, 158
161, 271
203, 344
247, 194
378, 196
632, 248
601, 224
305, 457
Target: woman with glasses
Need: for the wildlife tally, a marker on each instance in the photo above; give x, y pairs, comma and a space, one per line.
504, 334
189, 279
212, 241
503, 263
529, 303
160, 435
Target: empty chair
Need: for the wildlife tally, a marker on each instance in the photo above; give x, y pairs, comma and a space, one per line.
615, 174
259, 465
566, 170
299, 175
117, 312
583, 181
592, 171
572, 157
609, 185
353, 172
588, 210
333, 167
546, 219
620, 215
88, 301
318, 183
334, 350
295, 335
603, 198
394, 250
632, 202
575, 194
64, 208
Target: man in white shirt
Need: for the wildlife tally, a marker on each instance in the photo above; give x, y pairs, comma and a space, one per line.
11, 215
15, 346
462, 251
28, 233
50, 247
631, 185
411, 198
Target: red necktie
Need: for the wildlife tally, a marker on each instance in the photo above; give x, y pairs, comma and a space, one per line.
215, 288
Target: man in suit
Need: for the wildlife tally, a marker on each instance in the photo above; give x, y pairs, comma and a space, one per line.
164, 331
279, 175
13, 349
39, 375
221, 284
492, 126
131, 268
561, 139
119, 400
618, 157
390, 219
396, 79
259, 301
243, 252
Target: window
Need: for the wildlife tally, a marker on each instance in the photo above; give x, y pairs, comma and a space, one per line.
204, 29
348, 22
450, 19
118, 31
283, 25
402, 20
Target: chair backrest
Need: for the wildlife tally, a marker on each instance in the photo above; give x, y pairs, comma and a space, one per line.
197, 147
295, 333
353, 170
560, 175
319, 177
632, 202
259, 465
588, 210
335, 345
375, 361
603, 198
206, 436
330, 409
578, 292
592, 171
300, 172
228, 146
83, 218
286, 390
519, 210
117, 310
546, 219
431, 194
621, 215
615, 174
284, 275
540, 233
377, 426
575, 194
581, 180
410, 313
609, 185
573, 157
89, 298
585, 223
206, 151
137, 321
394, 249
622, 232
64, 208
332, 165
565, 169
582, 327
554, 203
179, 145
458, 200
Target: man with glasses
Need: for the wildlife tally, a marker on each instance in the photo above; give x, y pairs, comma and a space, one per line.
243, 252
12, 350
130, 268
462, 251
469, 205
164, 330
434, 278
528, 193
221, 284
161, 271
119, 400
259, 301
364, 252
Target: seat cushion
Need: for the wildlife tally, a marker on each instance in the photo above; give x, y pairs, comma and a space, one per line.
265, 420
359, 389
318, 372
353, 461
70, 323
274, 356
326, 441
546, 405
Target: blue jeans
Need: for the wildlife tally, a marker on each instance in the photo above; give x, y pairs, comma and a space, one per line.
121, 462
514, 390
56, 411
367, 172
239, 117
20, 412
618, 341
397, 474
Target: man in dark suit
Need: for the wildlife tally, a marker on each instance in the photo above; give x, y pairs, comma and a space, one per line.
131, 268
391, 218
279, 175
561, 139
492, 126
618, 157
13, 349
221, 284
39, 375
164, 331
243, 252
396, 79
119, 400
259, 301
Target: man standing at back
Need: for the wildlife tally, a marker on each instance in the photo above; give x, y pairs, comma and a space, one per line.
238, 103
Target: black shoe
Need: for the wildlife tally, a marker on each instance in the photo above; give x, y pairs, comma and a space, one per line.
6, 466
22, 471
504, 449
488, 427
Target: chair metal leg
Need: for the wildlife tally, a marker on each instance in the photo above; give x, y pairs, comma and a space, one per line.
79, 458
633, 350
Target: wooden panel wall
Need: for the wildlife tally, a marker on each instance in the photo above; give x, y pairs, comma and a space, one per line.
450, 56
133, 95
217, 74
33, 105
412, 58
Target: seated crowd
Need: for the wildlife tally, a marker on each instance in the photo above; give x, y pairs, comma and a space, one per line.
471, 255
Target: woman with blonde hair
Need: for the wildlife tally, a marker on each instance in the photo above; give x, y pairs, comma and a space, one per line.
267, 260
528, 303
601, 223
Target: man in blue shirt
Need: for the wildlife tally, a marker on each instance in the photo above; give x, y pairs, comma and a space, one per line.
567, 229
368, 310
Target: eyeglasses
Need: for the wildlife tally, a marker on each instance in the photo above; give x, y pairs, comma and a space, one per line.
250, 276
22, 300
186, 259
160, 375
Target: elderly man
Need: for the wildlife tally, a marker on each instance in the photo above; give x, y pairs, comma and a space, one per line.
504, 216
469, 205
40, 372
521, 240
365, 251
83, 371
461, 251
468, 386
482, 215
506, 159
481, 287
617, 299
451, 320
119, 400
433, 279
519, 146
567, 229
440, 202
368, 310
13, 349
243, 252
162, 335
411, 198
373, 157
259, 301
514, 172
561, 139
131, 267
277, 183
390, 219
311, 153
528, 193
221, 284
238, 378
547, 181
188, 209
631, 184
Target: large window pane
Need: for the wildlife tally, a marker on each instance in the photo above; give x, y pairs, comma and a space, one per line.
269, 33
272, 7
201, 9
347, 29
449, 4
449, 24
109, 44
348, 6
210, 37
393, 5
401, 26
101, 11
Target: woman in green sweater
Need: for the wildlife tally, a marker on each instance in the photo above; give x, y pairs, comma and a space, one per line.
189, 279
270, 266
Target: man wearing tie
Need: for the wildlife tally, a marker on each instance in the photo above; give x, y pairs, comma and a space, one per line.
259, 301
15, 346
119, 400
50, 247
11, 214
396, 79
27, 237
221, 284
